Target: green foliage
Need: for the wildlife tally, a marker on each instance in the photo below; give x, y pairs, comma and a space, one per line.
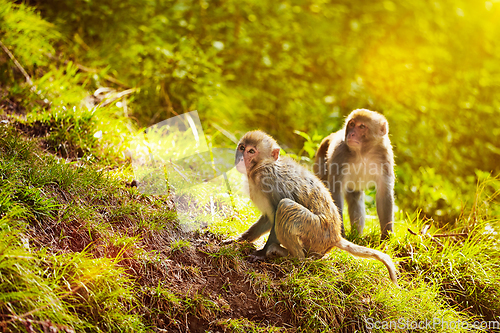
432, 193
28, 34
464, 270
56, 106
310, 145
19, 199
430, 67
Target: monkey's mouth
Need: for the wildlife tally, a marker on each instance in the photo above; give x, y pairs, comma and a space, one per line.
240, 166
353, 143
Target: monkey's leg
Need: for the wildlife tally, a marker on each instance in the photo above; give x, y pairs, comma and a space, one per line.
296, 225
356, 206
385, 210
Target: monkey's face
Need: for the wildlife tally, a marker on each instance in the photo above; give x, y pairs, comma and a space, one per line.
356, 133
246, 157
253, 148
365, 128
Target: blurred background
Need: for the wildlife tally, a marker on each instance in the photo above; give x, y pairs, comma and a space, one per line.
294, 69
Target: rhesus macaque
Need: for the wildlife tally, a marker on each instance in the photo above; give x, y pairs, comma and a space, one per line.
356, 158
296, 207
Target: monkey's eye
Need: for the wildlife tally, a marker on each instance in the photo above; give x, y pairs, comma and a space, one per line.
351, 124
252, 151
362, 126
242, 148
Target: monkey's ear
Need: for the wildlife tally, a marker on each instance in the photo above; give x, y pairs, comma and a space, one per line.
384, 128
275, 153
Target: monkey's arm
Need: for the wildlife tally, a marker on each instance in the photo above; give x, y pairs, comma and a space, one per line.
259, 228
263, 225
272, 245
320, 168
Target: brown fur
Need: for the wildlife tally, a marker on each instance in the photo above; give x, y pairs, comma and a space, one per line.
296, 206
338, 165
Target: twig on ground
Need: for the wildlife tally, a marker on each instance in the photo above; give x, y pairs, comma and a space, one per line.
18, 65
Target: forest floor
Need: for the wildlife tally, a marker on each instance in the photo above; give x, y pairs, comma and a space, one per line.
84, 250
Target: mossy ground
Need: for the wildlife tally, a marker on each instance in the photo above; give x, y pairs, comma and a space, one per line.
83, 250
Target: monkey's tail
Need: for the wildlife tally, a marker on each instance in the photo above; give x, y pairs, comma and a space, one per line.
364, 252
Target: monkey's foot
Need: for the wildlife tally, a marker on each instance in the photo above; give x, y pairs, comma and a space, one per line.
274, 251
385, 236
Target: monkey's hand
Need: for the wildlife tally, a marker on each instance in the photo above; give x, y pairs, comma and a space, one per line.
228, 241
231, 240
259, 255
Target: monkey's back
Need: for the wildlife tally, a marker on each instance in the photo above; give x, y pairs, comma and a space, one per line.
285, 178
311, 193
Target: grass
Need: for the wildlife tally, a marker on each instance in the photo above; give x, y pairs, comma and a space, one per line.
72, 291
83, 251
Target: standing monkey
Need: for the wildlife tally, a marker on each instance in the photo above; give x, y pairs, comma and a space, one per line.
358, 157
296, 207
